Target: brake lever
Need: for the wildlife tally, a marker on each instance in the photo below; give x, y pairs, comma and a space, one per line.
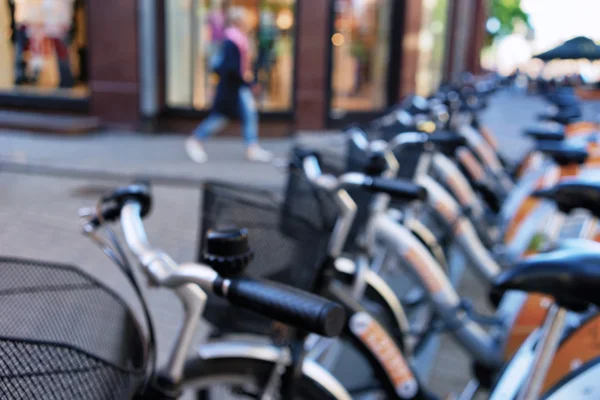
86, 212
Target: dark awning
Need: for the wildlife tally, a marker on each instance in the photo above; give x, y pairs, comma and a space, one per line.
573, 49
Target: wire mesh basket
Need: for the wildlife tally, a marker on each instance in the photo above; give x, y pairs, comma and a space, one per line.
63, 335
289, 244
352, 160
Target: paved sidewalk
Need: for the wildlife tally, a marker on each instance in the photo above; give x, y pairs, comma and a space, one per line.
129, 153
38, 213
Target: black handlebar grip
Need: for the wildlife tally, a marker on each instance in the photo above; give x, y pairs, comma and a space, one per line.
288, 305
397, 188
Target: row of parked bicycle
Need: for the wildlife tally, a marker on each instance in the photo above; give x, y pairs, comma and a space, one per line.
286, 278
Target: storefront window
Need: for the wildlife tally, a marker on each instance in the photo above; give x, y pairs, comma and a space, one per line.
361, 48
43, 49
194, 33
432, 45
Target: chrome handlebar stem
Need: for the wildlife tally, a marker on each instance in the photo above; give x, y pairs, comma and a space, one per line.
163, 271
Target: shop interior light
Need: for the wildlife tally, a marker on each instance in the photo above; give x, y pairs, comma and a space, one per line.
337, 39
285, 19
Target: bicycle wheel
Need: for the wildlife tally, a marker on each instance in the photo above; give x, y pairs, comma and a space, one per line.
240, 378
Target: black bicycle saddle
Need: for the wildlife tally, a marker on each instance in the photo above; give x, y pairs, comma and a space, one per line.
571, 276
563, 98
542, 132
563, 153
564, 116
574, 193
447, 142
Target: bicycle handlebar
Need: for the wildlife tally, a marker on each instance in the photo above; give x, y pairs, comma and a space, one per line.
280, 302
396, 188
286, 304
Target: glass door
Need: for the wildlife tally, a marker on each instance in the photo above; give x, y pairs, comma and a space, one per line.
432, 45
361, 56
196, 28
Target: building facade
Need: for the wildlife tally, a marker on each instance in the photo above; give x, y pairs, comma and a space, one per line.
321, 63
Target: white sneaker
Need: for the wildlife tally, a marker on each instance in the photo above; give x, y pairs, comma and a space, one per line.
195, 150
258, 154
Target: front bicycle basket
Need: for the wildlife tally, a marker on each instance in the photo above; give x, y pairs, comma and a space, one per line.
65, 336
336, 164
289, 256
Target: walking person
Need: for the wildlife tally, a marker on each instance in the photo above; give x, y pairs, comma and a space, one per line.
234, 98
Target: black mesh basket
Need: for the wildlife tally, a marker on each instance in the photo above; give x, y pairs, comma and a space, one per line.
65, 336
353, 160
289, 245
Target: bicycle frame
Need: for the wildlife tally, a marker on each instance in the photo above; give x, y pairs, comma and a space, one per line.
452, 179
484, 151
449, 213
418, 262
444, 170
486, 156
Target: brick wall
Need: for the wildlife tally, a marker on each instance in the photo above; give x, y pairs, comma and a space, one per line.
113, 53
312, 63
410, 47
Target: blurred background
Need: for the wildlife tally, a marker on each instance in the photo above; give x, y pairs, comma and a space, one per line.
88, 64
323, 64
146, 63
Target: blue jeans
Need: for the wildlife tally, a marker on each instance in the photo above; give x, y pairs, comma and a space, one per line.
216, 122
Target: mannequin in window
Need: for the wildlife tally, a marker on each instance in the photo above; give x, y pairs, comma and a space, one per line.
11, 14
27, 36
267, 37
58, 19
360, 53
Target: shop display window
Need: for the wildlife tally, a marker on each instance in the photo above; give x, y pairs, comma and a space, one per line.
432, 46
360, 55
43, 49
194, 31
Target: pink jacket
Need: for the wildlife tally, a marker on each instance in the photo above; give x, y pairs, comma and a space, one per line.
243, 44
